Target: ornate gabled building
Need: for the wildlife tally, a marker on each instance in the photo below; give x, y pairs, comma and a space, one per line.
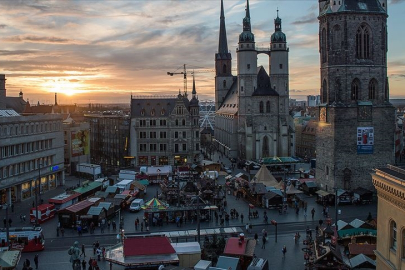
356, 120
165, 131
252, 118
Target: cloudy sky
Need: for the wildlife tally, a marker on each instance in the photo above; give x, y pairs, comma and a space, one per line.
102, 51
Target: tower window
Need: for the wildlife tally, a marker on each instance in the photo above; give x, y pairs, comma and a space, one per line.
248, 66
224, 83
363, 42
355, 89
224, 68
323, 45
281, 66
336, 38
324, 92
393, 228
267, 106
372, 89
261, 109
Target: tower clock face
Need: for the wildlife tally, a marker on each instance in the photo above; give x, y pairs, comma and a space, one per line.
322, 114
365, 113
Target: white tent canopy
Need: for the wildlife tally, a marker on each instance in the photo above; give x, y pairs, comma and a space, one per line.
264, 176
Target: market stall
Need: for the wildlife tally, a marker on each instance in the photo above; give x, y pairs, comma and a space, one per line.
323, 197
69, 216
9, 259
64, 200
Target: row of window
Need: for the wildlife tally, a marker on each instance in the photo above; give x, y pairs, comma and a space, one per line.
28, 128
153, 147
355, 93
363, 41
23, 167
25, 148
163, 134
163, 123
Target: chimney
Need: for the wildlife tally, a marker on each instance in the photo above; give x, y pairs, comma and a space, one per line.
2, 92
56, 98
21, 95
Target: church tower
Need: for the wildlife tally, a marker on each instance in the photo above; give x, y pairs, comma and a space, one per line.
246, 83
279, 71
223, 64
356, 121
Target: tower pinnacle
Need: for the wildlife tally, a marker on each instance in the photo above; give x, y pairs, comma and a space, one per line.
223, 43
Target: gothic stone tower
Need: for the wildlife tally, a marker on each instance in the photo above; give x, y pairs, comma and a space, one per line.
356, 121
223, 64
247, 83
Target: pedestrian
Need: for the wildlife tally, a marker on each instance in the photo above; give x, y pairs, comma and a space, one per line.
136, 224
12, 208
62, 231
91, 263
247, 227
114, 225
284, 250
250, 227
313, 212
264, 242
241, 218
36, 261
83, 251
98, 251
256, 238
84, 264
33, 204
94, 248
57, 231
102, 227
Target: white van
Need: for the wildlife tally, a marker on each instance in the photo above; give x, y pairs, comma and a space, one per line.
136, 205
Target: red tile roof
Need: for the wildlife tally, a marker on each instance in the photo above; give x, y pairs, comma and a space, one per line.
154, 245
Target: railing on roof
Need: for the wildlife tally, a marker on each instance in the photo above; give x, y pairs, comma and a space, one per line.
154, 97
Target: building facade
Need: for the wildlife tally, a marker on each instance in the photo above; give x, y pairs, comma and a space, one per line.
109, 142
31, 149
356, 120
390, 185
252, 118
165, 131
313, 101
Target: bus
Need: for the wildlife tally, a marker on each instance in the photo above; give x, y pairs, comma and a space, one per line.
26, 239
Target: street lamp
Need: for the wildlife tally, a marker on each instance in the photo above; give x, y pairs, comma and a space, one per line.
36, 194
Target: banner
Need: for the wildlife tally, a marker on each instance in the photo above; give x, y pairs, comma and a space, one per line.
80, 143
365, 140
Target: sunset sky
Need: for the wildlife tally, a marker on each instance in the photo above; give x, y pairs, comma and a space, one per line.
92, 51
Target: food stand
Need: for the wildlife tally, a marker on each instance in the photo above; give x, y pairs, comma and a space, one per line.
88, 189
242, 248
45, 212
64, 200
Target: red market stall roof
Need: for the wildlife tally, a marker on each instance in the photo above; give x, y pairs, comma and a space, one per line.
62, 198
246, 248
154, 245
79, 206
303, 180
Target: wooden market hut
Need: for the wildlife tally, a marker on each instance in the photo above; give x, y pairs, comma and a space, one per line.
88, 189
257, 191
9, 259
309, 187
344, 197
241, 248
69, 216
324, 197
272, 200
362, 195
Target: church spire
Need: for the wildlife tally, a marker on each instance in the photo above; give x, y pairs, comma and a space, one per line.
247, 35
194, 93
223, 43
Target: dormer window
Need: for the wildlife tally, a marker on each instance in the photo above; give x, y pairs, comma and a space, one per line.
152, 112
143, 112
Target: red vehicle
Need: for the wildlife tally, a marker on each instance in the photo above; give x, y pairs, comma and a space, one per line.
45, 212
27, 239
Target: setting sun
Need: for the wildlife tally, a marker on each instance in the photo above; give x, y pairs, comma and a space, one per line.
65, 86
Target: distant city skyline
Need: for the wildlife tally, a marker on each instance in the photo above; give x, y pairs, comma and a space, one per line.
104, 51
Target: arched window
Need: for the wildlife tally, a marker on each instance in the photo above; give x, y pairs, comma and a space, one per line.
224, 68
177, 122
324, 92
363, 37
393, 234
183, 122
355, 89
268, 107
336, 38
372, 89
261, 107
323, 45
224, 83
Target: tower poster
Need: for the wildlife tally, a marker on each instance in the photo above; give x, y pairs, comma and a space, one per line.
365, 140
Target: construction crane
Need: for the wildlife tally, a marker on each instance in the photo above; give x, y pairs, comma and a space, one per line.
185, 72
